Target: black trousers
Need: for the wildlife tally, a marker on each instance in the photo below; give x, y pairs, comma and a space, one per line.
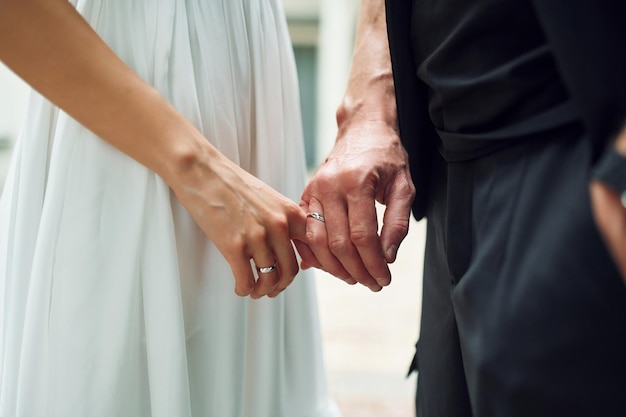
524, 312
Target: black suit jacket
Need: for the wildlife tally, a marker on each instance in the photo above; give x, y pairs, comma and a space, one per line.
588, 39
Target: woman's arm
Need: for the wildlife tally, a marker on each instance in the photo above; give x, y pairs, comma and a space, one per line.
49, 45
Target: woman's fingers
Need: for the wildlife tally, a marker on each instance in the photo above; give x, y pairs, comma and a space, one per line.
287, 268
244, 278
268, 253
267, 268
247, 220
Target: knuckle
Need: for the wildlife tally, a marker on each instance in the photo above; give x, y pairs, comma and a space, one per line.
315, 239
339, 246
399, 227
403, 230
412, 189
362, 237
257, 234
326, 181
237, 245
279, 224
291, 211
407, 187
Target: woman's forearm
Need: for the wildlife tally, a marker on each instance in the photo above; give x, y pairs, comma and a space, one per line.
49, 45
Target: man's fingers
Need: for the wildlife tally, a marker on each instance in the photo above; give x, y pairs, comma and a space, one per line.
364, 237
297, 231
341, 245
318, 238
396, 218
308, 257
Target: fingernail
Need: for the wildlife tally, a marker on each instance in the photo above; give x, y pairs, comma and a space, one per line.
391, 253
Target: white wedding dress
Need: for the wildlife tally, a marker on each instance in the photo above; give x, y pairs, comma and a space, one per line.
112, 301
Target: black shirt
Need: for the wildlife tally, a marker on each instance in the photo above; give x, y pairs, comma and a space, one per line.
490, 74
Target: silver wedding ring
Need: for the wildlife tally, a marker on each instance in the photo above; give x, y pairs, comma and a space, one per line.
316, 216
266, 269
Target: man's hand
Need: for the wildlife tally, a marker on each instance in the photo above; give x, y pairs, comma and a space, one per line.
367, 164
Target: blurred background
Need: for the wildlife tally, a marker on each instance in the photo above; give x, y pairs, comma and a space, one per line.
368, 338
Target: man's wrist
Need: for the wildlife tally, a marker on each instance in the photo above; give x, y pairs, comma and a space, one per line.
376, 108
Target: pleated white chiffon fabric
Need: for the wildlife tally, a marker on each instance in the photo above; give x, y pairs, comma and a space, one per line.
113, 303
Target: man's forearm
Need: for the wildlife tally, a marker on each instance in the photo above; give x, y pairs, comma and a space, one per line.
370, 93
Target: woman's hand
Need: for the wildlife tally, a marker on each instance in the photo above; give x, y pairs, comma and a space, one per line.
51, 47
246, 219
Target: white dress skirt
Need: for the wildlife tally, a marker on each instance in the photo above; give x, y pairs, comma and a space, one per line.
112, 301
